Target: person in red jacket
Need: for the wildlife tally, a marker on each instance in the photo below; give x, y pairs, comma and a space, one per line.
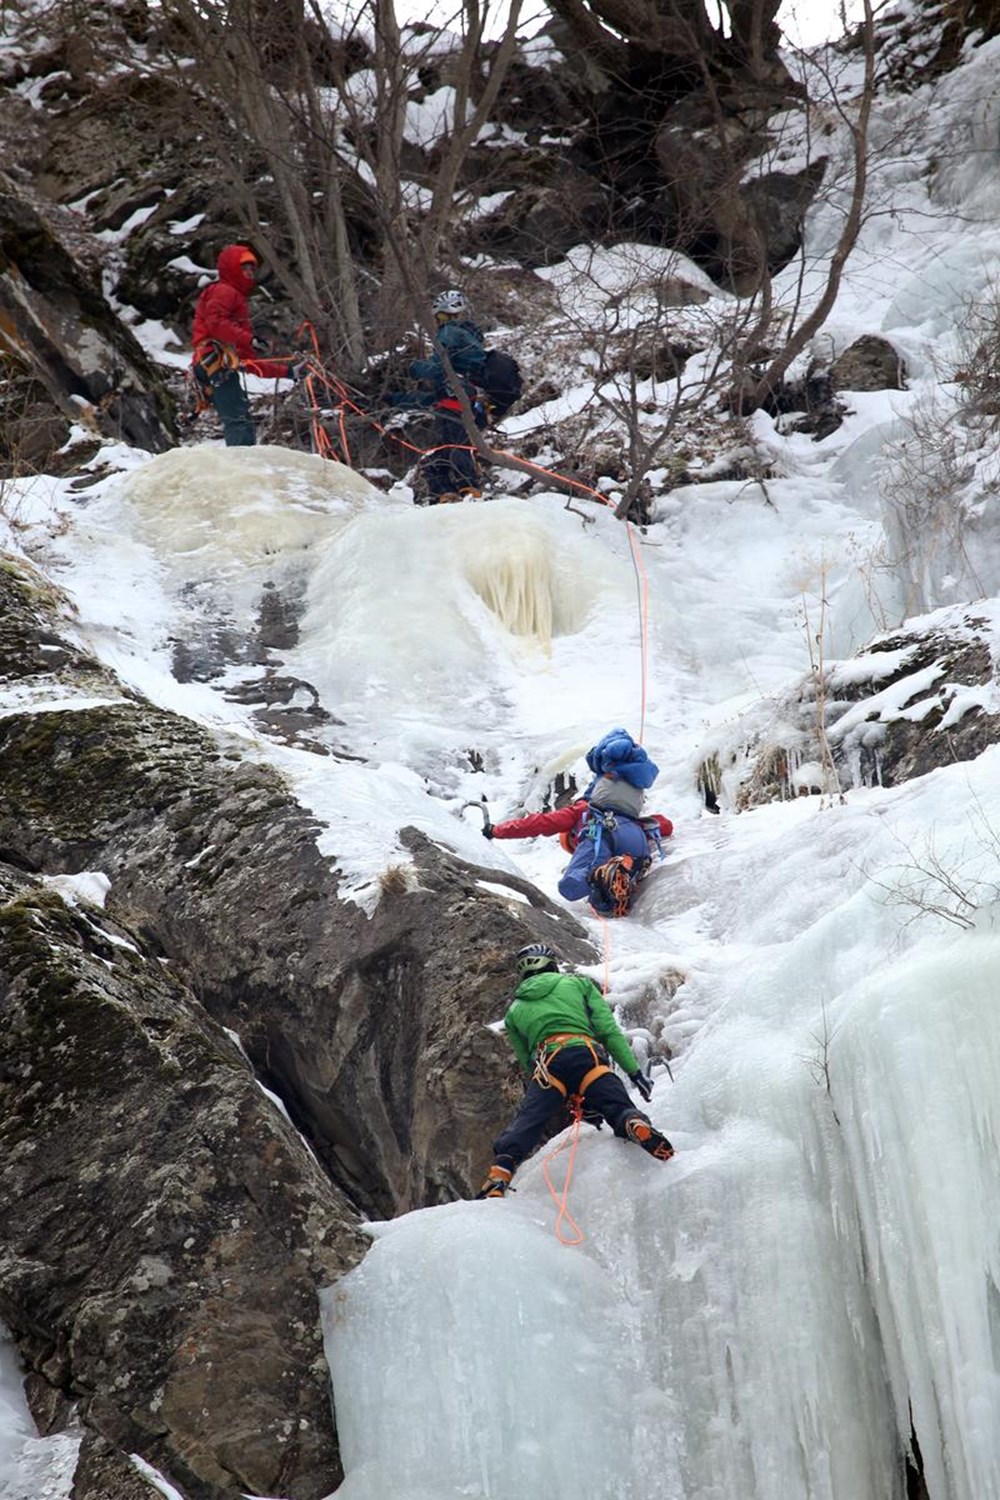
223, 343
611, 848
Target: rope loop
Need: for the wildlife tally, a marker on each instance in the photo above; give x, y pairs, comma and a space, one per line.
561, 1199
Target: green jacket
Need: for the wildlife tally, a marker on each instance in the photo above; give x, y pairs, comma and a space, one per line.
545, 1004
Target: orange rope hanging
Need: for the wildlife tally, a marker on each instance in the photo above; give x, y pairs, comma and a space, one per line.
561, 1199
642, 586
606, 934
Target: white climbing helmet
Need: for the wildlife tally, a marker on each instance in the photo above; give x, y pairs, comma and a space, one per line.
451, 303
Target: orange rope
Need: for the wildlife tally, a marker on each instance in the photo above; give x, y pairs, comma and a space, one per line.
606, 933
561, 1200
344, 445
322, 442
642, 585
340, 391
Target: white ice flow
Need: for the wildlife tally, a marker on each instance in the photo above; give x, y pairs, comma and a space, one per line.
762, 1315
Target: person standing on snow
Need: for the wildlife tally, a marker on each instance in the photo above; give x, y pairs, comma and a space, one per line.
611, 842
223, 343
450, 469
563, 1033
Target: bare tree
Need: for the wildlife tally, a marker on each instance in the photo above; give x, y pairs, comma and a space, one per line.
298, 120
798, 336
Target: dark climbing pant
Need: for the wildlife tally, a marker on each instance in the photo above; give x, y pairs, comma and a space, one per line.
233, 406
606, 1096
452, 467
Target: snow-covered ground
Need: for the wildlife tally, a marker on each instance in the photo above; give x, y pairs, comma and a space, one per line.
819, 1266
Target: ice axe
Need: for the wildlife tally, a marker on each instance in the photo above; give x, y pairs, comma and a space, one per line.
487, 825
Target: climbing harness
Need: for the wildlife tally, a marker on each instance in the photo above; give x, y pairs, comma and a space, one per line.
551, 1046
545, 1052
214, 362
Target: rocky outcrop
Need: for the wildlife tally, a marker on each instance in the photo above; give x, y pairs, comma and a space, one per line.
164, 1229
61, 335
737, 229
349, 1018
914, 700
925, 701
869, 364
162, 1276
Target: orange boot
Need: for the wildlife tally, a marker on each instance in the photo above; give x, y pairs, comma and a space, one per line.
496, 1184
645, 1135
614, 881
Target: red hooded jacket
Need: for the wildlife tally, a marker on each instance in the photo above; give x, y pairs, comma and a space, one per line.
565, 820
222, 315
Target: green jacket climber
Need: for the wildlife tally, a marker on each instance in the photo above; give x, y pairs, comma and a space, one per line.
551, 1004
563, 1032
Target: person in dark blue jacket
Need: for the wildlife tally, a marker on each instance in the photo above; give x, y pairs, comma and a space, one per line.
450, 469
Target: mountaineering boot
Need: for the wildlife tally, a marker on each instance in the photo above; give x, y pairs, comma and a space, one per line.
645, 1135
450, 497
613, 881
470, 493
496, 1184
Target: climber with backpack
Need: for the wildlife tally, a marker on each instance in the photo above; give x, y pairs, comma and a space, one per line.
224, 345
489, 378
565, 1038
449, 469
611, 841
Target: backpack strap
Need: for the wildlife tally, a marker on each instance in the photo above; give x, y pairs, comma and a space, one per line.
598, 822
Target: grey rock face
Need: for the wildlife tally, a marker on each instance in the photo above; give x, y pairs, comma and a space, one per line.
539, 223
164, 1272
869, 364
877, 734
736, 229
892, 745
164, 1230
55, 323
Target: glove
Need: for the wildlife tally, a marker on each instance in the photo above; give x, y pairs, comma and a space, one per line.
298, 371
487, 830
642, 1082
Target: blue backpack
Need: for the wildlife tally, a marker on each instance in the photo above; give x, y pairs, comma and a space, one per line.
501, 380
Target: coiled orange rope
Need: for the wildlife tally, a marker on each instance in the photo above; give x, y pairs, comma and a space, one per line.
561, 1198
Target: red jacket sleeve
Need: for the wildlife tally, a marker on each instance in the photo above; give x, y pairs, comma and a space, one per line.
536, 824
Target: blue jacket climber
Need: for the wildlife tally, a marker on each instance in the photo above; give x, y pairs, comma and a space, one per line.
450, 468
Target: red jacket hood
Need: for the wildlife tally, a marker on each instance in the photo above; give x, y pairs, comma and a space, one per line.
231, 272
